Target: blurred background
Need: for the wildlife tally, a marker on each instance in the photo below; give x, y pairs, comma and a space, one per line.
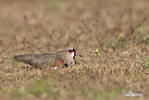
56, 24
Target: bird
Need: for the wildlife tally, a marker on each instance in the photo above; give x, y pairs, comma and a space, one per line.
60, 59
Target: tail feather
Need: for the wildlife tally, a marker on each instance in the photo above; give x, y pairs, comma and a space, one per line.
18, 57
29, 59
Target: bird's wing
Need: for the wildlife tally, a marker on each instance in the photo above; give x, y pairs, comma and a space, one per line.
36, 59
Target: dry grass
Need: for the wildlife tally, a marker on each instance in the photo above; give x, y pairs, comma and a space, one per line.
112, 36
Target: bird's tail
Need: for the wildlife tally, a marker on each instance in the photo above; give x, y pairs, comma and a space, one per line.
18, 57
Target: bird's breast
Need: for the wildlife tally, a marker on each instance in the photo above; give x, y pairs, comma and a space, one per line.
59, 63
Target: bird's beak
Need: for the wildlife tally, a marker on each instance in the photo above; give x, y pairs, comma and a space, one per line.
78, 54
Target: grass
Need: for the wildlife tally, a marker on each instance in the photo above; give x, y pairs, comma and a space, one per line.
142, 37
41, 87
115, 53
116, 42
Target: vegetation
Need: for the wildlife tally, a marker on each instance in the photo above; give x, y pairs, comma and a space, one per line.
112, 35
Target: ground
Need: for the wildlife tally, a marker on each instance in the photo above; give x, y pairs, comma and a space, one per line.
112, 35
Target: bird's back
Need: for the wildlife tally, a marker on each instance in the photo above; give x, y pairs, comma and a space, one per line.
37, 59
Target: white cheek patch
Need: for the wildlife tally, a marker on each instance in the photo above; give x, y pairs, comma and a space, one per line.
72, 54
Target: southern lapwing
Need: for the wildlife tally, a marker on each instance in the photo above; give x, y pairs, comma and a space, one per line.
62, 58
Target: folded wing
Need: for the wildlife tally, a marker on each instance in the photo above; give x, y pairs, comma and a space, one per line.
37, 59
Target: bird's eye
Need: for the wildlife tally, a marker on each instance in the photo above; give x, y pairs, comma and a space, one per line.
70, 51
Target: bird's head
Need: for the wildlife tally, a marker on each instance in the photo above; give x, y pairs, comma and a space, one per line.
69, 53
72, 52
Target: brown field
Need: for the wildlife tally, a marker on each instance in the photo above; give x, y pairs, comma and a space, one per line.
111, 34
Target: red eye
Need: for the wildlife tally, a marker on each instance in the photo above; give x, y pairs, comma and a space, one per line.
70, 51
